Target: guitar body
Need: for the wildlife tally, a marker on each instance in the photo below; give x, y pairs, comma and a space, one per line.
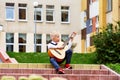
59, 54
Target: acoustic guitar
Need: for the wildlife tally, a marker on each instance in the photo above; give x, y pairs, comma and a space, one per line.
59, 54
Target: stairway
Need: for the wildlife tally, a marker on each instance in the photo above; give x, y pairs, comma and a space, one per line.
4, 58
79, 71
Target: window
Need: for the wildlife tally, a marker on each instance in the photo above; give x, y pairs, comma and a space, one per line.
64, 37
22, 42
91, 1
9, 42
48, 40
91, 41
50, 13
38, 42
22, 12
65, 14
97, 19
109, 5
97, 24
90, 22
10, 11
38, 13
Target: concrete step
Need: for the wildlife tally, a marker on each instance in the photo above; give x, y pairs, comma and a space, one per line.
68, 76
47, 65
79, 71
52, 71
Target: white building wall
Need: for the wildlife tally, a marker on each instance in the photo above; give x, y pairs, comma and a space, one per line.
44, 27
44, 45
2, 41
30, 42
16, 48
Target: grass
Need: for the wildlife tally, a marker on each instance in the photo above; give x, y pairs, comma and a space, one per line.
30, 57
115, 67
44, 58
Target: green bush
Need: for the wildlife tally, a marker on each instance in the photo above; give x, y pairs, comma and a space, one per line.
23, 78
36, 77
58, 78
8, 78
107, 44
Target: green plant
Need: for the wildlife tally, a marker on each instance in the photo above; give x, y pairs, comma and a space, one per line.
23, 78
115, 67
107, 44
36, 77
58, 78
8, 78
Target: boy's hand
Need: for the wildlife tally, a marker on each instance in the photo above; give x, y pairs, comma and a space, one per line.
60, 47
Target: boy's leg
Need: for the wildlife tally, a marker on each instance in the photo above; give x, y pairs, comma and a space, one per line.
54, 63
68, 58
56, 66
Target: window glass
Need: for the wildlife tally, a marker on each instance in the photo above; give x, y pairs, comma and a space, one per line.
22, 42
38, 42
22, 38
48, 40
109, 5
65, 14
64, 37
22, 12
9, 11
38, 38
9, 38
50, 13
38, 13
9, 42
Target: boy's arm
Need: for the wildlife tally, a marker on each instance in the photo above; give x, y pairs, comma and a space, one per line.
50, 46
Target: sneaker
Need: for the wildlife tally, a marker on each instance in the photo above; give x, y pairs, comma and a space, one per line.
70, 67
67, 66
60, 71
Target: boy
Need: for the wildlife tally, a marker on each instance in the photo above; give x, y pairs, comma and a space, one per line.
55, 37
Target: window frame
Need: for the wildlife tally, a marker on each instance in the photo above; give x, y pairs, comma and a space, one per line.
10, 43
22, 44
64, 37
38, 44
25, 8
68, 11
53, 13
48, 40
109, 6
35, 13
10, 7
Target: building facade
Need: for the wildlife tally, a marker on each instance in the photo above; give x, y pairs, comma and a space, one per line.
27, 28
95, 14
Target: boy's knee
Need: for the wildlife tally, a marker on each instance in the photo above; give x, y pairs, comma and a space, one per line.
52, 59
69, 51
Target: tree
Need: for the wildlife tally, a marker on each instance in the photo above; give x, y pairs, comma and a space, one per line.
107, 44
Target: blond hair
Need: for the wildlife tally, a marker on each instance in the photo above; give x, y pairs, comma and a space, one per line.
54, 33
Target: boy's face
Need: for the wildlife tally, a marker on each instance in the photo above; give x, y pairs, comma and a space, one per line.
56, 38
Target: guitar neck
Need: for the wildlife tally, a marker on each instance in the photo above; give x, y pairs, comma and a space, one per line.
66, 42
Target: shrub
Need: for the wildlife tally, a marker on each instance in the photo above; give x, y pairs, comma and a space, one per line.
23, 78
8, 78
58, 78
107, 44
36, 77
